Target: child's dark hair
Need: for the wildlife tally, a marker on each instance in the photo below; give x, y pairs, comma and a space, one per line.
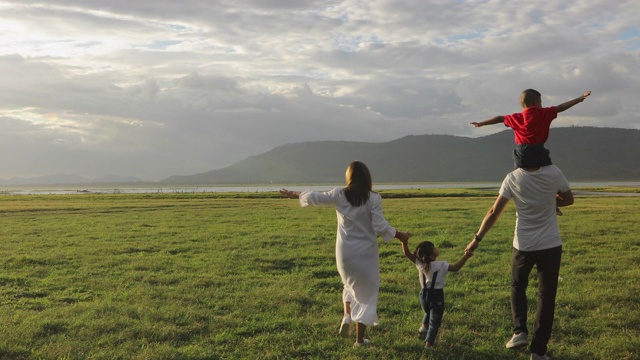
529, 98
424, 251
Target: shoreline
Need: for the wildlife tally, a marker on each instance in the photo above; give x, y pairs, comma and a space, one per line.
68, 190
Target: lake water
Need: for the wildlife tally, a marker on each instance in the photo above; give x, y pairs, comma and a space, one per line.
267, 188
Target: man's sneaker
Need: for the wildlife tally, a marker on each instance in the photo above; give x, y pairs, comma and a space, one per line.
517, 341
345, 326
363, 343
535, 356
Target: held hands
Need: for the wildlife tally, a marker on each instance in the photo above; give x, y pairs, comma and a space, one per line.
403, 236
471, 247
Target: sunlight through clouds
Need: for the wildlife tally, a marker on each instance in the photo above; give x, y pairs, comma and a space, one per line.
191, 86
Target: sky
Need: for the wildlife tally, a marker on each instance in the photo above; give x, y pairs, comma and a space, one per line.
155, 88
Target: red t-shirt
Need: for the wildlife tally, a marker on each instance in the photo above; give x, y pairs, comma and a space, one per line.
531, 126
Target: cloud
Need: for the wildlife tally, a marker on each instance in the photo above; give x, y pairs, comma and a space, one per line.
159, 88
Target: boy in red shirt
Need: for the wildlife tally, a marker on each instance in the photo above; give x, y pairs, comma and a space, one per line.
531, 128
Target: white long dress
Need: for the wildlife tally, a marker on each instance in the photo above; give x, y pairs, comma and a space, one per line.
357, 248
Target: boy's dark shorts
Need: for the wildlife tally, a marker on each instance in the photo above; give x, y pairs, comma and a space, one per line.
531, 155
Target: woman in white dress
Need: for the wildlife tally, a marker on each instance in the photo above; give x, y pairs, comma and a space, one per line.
360, 222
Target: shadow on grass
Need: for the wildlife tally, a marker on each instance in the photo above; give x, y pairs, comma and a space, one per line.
461, 351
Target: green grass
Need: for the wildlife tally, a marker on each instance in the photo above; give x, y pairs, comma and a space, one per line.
613, 189
252, 276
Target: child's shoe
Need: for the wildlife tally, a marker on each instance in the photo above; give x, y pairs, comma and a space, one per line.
558, 212
422, 332
363, 343
345, 328
426, 350
535, 356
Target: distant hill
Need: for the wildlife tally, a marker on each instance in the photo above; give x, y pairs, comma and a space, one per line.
583, 153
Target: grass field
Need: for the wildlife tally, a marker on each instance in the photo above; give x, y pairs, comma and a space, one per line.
252, 276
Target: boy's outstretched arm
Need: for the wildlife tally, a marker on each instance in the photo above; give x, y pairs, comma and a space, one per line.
493, 120
460, 263
566, 105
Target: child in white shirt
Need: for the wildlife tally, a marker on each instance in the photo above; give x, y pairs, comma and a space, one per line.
431, 293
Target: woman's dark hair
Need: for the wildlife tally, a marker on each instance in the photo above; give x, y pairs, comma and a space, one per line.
424, 251
358, 179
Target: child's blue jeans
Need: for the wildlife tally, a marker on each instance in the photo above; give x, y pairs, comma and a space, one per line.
432, 301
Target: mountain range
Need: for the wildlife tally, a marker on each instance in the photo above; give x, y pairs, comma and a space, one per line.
583, 154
